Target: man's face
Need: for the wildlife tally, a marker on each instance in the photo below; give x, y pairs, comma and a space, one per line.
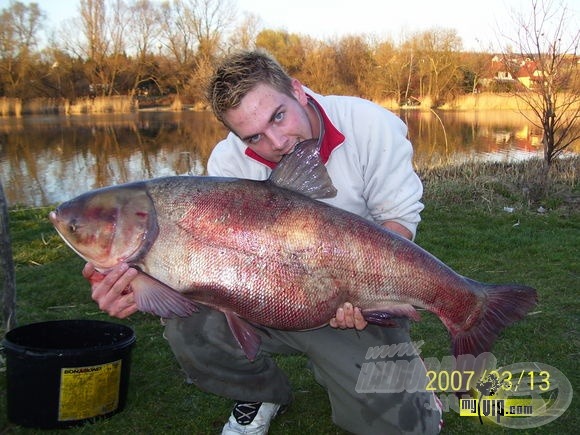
270, 122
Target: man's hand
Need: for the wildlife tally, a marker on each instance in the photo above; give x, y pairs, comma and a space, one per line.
112, 292
348, 317
398, 228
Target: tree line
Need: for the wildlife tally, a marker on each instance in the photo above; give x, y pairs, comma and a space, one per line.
151, 49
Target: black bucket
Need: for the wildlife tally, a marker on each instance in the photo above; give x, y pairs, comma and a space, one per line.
63, 373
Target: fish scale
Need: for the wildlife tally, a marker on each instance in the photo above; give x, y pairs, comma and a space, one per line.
265, 254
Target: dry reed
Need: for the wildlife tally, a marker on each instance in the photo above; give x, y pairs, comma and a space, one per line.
495, 184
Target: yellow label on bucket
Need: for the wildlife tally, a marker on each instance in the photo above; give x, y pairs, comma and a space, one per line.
87, 392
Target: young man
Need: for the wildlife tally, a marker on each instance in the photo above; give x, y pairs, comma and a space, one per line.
368, 158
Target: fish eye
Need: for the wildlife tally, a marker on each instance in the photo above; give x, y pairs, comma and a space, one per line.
72, 226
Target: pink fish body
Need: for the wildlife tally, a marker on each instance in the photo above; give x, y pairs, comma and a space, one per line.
259, 251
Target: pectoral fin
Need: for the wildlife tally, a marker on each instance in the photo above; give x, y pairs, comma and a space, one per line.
245, 334
152, 296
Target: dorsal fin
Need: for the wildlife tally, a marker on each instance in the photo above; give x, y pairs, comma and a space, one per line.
302, 171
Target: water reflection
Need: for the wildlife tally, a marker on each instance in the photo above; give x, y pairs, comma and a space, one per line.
44, 160
441, 138
48, 159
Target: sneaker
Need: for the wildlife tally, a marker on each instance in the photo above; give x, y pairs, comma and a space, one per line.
251, 418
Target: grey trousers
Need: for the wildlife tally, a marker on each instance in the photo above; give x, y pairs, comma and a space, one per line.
213, 360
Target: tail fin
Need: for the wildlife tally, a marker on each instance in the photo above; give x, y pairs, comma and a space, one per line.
505, 304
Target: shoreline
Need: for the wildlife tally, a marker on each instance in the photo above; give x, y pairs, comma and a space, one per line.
493, 184
14, 107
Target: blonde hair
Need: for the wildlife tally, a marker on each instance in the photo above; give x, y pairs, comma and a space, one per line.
238, 74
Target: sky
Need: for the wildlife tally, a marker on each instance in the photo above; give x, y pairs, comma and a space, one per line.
476, 22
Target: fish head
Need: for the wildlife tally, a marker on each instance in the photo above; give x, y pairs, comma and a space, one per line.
108, 226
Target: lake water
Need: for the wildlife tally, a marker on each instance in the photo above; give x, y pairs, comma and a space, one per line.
48, 159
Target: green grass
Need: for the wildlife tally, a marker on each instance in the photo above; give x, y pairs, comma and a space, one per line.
464, 225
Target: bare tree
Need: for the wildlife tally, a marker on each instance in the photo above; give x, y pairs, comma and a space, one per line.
102, 43
213, 21
95, 48
192, 33
286, 47
355, 63
118, 31
386, 79
244, 34
145, 21
475, 67
19, 25
545, 51
319, 70
213, 18
437, 63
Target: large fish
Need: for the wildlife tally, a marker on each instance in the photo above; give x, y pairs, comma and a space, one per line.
265, 253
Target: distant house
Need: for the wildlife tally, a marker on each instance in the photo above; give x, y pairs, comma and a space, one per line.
525, 71
528, 74
515, 70
499, 71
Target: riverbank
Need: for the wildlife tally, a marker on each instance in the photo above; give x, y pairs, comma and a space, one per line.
15, 107
479, 219
513, 185
482, 101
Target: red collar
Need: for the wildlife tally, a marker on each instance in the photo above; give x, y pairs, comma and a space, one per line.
331, 139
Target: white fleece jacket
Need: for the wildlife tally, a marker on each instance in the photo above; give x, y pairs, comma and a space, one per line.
366, 153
